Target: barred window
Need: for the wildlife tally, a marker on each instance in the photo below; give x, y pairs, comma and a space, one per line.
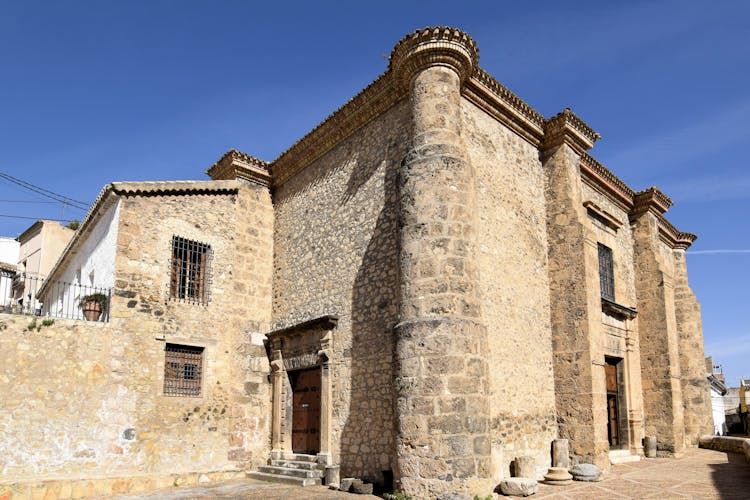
183, 370
190, 278
606, 273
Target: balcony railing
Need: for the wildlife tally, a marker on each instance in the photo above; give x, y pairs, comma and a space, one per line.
18, 295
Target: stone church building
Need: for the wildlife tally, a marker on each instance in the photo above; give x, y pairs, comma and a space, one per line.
433, 281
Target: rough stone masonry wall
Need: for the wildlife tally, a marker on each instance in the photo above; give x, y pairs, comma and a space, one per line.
56, 387
660, 364
514, 287
227, 427
63, 425
696, 392
336, 241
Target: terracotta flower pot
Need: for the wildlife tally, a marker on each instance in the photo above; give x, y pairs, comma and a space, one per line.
92, 310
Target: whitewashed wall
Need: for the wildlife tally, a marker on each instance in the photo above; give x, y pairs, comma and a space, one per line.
93, 265
718, 411
9, 250
9, 254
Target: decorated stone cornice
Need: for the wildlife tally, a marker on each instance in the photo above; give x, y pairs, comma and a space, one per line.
155, 188
675, 239
433, 46
567, 128
371, 102
600, 178
499, 102
238, 165
386, 90
650, 200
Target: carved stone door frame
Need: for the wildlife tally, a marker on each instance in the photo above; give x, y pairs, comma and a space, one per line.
301, 346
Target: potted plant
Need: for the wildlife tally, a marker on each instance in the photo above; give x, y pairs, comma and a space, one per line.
94, 305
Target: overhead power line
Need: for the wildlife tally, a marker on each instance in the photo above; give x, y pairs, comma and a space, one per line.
36, 218
29, 201
65, 200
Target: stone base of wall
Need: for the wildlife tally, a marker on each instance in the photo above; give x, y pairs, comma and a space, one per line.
55, 489
726, 444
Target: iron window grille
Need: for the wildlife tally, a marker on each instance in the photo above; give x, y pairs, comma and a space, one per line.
191, 271
606, 273
183, 370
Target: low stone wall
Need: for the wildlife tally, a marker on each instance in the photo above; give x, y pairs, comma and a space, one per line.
726, 444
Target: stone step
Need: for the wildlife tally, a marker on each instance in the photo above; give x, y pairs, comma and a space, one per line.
622, 456
297, 465
297, 457
282, 479
286, 471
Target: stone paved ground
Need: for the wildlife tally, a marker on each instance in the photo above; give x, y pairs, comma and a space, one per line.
247, 489
700, 474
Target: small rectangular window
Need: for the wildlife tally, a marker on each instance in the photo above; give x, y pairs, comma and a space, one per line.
190, 274
606, 273
183, 370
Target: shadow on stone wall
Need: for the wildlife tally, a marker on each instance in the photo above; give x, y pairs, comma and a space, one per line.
368, 436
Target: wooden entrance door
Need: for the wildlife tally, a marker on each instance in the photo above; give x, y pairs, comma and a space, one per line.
613, 409
305, 411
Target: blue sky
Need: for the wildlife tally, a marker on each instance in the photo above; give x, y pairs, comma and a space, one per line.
97, 91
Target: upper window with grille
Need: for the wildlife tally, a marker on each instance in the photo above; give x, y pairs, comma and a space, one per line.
191, 266
606, 273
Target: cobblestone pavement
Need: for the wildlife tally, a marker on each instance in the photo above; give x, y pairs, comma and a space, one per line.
700, 474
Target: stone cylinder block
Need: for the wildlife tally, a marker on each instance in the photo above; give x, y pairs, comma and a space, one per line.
560, 453
649, 446
333, 475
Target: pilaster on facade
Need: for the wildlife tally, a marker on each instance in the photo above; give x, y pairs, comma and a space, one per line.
657, 326
695, 385
574, 294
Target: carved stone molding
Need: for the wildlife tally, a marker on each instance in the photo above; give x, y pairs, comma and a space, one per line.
433, 46
600, 178
675, 239
304, 345
617, 310
238, 165
505, 106
567, 128
602, 215
650, 200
